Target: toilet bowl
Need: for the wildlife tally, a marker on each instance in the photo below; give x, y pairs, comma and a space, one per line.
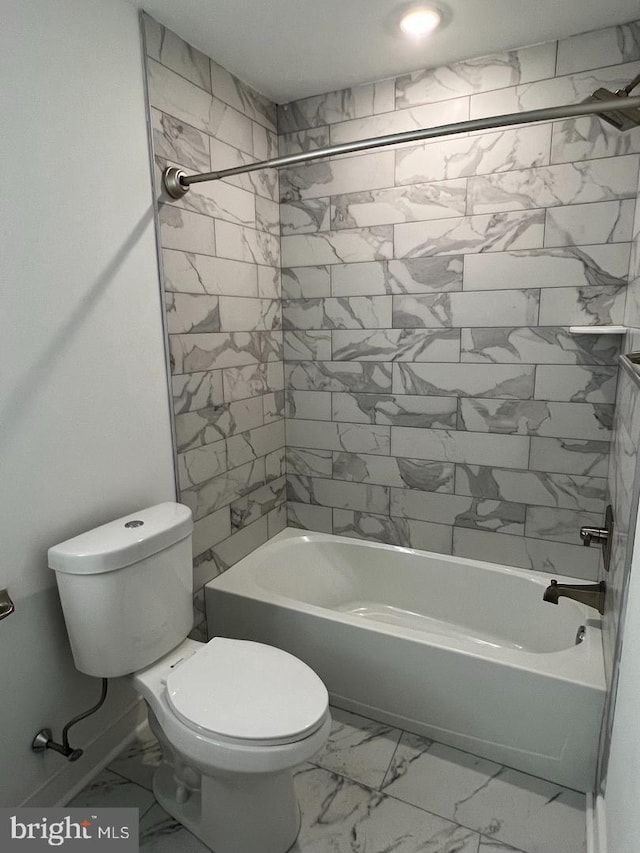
226, 770
233, 717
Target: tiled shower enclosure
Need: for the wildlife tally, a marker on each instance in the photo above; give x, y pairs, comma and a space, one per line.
405, 312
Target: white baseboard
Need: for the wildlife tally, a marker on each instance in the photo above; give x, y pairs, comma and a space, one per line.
596, 825
74, 776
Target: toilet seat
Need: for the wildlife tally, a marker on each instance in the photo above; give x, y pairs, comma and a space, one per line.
249, 693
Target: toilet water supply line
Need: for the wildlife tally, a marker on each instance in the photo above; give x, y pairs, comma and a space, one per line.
176, 182
43, 740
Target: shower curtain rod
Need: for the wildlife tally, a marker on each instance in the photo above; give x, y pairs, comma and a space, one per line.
177, 182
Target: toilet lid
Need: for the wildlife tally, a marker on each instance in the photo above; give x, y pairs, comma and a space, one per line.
248, 691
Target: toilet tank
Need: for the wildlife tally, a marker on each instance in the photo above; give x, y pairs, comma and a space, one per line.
126, 589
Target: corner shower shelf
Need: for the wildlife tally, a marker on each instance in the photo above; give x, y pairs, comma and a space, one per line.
597, 330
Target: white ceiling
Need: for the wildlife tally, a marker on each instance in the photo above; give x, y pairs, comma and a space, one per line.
289, 49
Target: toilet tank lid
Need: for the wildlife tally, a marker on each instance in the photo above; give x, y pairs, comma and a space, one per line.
124, 541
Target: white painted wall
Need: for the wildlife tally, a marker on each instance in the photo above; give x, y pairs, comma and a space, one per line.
84, 415
622, 794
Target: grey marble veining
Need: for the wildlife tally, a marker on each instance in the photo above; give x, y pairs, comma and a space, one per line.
509, 308
481, 233
373, 787
368, 377
397, 345
577, 266
538, 345
532, 487
457, 157
394, 471
411, 275
477, 75
396, 409
547, 186
465, 380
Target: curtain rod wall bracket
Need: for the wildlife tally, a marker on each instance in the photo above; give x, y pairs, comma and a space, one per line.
172, 181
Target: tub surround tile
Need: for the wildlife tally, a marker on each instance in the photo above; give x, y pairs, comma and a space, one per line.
213, 494
578, 384
186, 231
210, 530
465, 156
310, 405
188, 312
189, 272
465, 380
338, 436
458, 510
393, 471
333, 247
174, 53
310, 463
582, 306
199, 390
559, 525
480, 233
548, 186
536, 417
570, 456
330, 107
589, 138
177, 142
357, 312
411, 118
337, 176
395, 410
557, 91
599, 48
418, 202
338, 493
477, 75
571, 266
531, 487
587, 224
539, 555
310, 517
367, 377
411, 275
539, 345
506, 308
397, 345
406, 532
311, 282
441, 445
260, 502
205, 426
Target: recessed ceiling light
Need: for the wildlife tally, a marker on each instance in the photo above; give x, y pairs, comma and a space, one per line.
420, 21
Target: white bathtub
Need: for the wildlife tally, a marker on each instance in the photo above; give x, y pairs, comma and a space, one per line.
457, 650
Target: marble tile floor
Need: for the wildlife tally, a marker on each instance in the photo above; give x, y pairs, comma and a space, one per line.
377, 789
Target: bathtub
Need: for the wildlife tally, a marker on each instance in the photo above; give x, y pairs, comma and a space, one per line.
457, 650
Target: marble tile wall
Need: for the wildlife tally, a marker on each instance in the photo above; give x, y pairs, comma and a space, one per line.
434, 395
220, 248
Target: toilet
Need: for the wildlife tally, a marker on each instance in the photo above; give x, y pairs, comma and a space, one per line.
233, 717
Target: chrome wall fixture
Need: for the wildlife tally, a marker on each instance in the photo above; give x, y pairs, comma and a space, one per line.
177, 182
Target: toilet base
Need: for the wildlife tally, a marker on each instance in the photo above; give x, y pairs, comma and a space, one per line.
234, 813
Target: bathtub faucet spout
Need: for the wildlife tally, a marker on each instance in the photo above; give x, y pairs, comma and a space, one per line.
591, 594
